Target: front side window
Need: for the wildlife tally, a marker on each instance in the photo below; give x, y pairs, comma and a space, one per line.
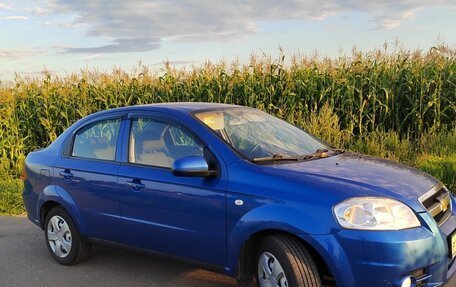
97, 141
158, 143
255, 134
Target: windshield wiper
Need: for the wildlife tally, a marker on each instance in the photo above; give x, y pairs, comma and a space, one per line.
276, 157
321, 153
337, 150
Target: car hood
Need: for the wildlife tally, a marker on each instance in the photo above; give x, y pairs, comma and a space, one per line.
360, 175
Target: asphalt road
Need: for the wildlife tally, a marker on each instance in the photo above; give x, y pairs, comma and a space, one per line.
25, 261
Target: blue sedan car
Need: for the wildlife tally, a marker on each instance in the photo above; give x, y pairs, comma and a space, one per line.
240, 192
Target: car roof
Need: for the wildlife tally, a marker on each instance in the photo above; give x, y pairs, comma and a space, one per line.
187, 106
183, 107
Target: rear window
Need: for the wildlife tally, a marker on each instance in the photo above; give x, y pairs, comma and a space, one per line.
97, 140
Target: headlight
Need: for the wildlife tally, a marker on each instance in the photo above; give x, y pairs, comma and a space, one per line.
375, 213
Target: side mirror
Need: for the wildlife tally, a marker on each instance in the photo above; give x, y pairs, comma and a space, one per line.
192, 166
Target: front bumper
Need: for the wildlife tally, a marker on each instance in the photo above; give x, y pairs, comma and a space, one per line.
383, 258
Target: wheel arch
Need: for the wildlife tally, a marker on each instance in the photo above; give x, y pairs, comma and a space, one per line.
45, 209
274, 218
53, 196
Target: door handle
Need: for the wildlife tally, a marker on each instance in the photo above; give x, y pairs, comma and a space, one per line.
66, 174
136, 184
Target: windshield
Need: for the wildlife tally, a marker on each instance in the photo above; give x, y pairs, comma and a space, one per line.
255, 134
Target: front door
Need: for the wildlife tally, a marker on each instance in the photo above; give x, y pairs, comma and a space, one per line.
182, 216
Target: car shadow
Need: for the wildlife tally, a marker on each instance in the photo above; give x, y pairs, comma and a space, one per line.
150, 270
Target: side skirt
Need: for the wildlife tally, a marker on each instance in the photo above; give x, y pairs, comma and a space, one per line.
200, 264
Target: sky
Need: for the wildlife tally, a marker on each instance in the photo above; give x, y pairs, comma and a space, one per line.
65, 36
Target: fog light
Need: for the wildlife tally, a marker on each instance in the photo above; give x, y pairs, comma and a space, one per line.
408, 281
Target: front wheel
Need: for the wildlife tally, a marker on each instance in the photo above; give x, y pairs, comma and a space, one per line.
283, 261
63, 239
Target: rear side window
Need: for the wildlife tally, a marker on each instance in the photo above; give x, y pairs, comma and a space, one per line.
97, 141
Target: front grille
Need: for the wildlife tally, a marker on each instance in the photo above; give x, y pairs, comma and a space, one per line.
437, 202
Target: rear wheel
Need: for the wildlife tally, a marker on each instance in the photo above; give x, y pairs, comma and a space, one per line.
283, 261
63, 240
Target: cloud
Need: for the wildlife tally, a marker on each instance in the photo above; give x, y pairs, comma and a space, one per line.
391, 23
15, 17
40, 11
92, 57
140, 25
391, 14
5, 6
118, 46
17, 54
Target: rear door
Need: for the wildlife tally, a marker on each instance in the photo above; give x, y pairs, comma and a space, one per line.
88, 173
182, 216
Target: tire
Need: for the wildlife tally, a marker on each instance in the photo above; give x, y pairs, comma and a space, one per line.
63, 239
298, 267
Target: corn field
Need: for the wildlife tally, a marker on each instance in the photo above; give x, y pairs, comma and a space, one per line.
399, 105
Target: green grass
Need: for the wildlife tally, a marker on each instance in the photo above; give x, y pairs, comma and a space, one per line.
11, 196
443, 168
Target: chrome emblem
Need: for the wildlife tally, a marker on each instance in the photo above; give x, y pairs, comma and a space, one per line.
444, 202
